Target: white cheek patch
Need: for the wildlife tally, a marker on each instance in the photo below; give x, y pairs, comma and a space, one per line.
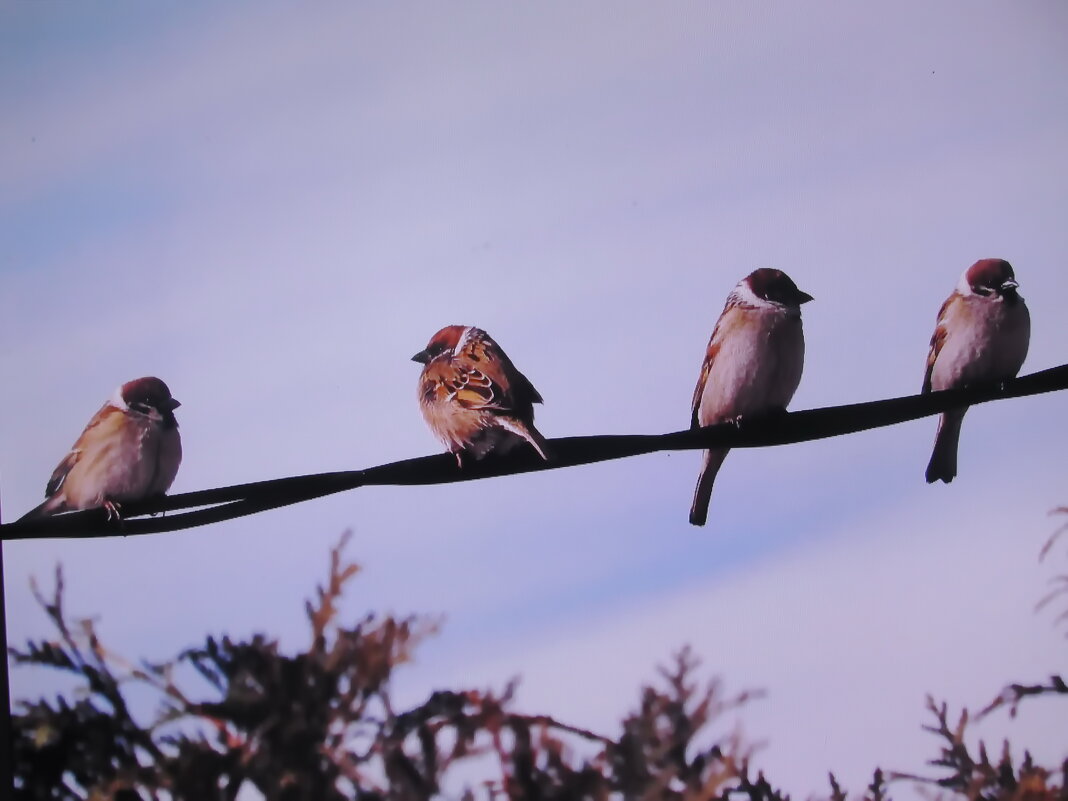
747, 296
744, 295
117, 401
963, 287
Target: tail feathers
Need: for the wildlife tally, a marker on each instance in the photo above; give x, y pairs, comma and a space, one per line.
529, 433
703, 493
539, 443
52, 506
943, 464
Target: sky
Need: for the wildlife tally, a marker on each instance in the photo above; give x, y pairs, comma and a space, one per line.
273, 207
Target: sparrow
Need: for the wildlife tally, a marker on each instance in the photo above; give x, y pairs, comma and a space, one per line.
129, 451
752, 365
473, 398
981, 337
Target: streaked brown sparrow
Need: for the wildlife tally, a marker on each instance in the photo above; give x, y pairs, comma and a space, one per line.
473, 397
752, 366
129, 451
982, 336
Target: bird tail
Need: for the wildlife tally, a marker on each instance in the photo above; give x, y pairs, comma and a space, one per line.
943, 464
539, 443
703, 493
528, 432
54, 505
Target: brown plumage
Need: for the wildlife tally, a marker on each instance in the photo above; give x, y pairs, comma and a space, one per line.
982, 335
752, 364
473, 398
129, 451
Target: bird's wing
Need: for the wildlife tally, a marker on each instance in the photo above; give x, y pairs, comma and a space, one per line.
937, 340
493, 378
102, 429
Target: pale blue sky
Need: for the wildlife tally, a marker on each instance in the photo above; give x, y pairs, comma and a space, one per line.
273, 207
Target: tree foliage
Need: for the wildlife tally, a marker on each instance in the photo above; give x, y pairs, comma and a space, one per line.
320, 724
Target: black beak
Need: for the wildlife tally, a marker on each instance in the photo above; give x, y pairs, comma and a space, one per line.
422, 357
173, 404
803, 297
1008, 287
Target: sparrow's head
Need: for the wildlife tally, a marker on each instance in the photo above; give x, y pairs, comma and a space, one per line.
148, 396
775, 287
448, 339
990, 278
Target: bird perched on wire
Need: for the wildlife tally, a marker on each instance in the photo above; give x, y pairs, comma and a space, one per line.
473, 398
982, 336
752, 366
129, 451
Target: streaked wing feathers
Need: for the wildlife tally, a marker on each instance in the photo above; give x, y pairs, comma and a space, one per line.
706, 368
98, 430
508, 389
474, 390
470, 388
937, 340
59, 475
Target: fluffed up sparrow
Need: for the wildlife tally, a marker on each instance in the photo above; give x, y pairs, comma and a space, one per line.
129, 451
473, 397
982, 335
752, 366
